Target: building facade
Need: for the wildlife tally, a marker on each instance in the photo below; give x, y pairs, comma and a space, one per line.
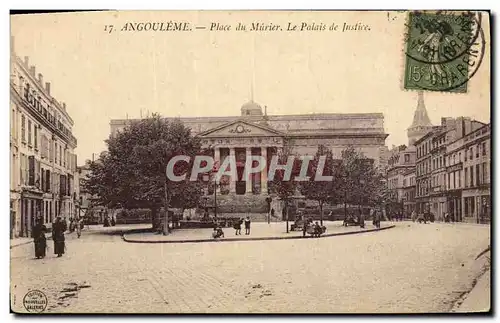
401, 161
469, 175
409, 190
42, 146
256, 133
440, 172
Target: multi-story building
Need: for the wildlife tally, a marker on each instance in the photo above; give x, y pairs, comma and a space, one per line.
423, 170
42, 159
409, 192
440, 175
255, 133
469, 174
401, 161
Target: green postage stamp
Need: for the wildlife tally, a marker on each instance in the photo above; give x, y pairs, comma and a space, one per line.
444, 49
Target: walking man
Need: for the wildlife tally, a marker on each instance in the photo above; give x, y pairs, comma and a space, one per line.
247, 225
58, 229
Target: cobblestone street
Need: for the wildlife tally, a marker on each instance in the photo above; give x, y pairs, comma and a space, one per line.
410, 268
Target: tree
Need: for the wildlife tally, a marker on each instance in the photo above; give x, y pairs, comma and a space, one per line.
321, 191
360, 182
132, 173
285, 188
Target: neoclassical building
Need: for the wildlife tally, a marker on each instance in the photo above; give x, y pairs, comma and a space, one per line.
254, 132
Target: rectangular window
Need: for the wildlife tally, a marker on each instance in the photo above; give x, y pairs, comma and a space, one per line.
35, 131
465, 155
484, 148
56, 151
477, 175
23, 128
29, 132
477, 150
459, 179
471, 176
466, 180
471, 153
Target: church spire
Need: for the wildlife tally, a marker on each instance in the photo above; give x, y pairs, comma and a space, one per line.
420, 117
421, 123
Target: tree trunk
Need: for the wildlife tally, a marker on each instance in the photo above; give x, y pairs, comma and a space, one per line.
345, 205
154, 219
321, 213
286, 215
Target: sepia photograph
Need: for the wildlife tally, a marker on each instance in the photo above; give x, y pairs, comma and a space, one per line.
250, 162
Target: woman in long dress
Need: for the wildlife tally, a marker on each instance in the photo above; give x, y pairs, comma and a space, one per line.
39, 239
58, 229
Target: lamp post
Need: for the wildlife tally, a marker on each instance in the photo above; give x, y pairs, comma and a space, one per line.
207, 178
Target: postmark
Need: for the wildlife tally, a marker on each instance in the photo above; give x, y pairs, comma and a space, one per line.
35, 301
443, 50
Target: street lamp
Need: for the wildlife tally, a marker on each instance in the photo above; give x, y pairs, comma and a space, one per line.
207, 178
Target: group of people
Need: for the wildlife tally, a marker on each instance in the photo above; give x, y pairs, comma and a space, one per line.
219, 233
39, 230
237, 226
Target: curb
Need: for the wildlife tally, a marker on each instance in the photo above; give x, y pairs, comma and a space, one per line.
250, 239
27, 242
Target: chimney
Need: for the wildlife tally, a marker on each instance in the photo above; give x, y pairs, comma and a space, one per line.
40, 78
26, 61
33, 70
47, 87
64, 106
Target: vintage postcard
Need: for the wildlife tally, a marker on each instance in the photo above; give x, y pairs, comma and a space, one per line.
250, 162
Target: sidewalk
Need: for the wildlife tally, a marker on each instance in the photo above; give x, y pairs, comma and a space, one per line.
16, 242
259, 231
478, 300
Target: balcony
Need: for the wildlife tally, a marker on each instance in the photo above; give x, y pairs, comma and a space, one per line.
455, 167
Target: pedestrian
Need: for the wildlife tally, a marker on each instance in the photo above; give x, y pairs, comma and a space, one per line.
361, 220
377, 219
58, 229
413, 215
272, 213
39, 238
113, 222
305, 223
79, 225
247, 223
106, 222
237, 227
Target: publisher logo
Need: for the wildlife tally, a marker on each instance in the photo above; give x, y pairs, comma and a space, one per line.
35, 301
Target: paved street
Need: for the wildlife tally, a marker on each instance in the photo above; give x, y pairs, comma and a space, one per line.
410, 268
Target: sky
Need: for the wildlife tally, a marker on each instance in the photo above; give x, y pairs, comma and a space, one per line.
103, 76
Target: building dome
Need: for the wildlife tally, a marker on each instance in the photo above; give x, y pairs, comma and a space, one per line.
251, 108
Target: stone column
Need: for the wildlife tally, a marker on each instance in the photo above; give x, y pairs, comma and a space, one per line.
263, 173
217, 160
248, 189
232, 183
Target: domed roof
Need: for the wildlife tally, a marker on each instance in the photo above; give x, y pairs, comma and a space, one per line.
251, 108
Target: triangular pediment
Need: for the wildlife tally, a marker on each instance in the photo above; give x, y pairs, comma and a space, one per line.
240, 128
